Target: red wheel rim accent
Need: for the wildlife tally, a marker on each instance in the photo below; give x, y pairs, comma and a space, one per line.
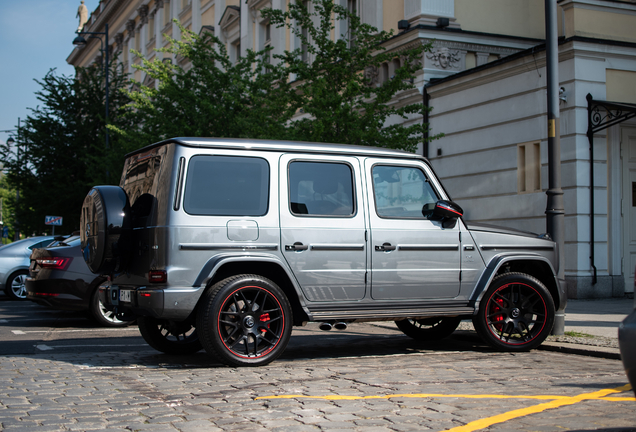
254, 326
515, 314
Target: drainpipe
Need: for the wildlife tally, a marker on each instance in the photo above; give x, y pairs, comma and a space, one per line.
590, 138
426, 101
555, 213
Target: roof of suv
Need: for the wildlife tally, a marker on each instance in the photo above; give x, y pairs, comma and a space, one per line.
286, 146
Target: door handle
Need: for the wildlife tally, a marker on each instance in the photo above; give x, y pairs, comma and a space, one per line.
298, 246
386, 247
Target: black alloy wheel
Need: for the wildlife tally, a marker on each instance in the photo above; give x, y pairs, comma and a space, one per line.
428, 329
169, 337
516, 313
245, 320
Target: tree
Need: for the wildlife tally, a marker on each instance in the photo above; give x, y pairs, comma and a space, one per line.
338, 101
61, 150
213, 96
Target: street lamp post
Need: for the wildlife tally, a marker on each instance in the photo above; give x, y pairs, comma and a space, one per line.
80, 41
11, 142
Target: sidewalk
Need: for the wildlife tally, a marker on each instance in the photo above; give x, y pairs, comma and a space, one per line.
591, 327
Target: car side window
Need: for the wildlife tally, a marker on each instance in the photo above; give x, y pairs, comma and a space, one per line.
227, 186
401, 191
321, 189
41, 244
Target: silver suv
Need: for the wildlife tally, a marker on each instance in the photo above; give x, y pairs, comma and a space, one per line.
226, 244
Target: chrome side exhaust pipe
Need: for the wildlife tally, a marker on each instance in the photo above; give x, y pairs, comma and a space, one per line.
325, 326
340, 326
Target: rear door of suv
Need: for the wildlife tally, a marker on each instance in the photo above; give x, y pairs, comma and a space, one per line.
323, 225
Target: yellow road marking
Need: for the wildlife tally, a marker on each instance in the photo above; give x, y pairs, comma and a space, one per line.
484, 423
413, 395
555, 402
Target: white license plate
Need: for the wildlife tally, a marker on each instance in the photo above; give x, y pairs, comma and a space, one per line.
125, 295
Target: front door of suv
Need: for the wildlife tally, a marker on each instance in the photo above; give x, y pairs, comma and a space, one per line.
411, 257
323, 226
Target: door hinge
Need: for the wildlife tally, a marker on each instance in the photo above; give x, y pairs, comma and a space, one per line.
365, 277
460, 275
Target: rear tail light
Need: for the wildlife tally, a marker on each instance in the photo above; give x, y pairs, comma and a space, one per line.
55, 263
157, 276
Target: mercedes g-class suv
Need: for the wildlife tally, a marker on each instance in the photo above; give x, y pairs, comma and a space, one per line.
225, 244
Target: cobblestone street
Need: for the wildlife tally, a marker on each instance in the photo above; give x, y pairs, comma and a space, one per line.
368, 378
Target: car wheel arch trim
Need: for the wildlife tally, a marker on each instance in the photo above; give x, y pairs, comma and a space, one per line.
498, 261
214, 264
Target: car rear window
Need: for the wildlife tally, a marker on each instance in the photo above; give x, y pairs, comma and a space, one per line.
227, 186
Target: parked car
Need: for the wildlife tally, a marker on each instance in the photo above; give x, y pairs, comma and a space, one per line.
14, 264
226, 244
60, 279
627, 344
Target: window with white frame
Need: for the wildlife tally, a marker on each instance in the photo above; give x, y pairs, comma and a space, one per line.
265, 37
167, 13
230, 25
305, 38
235, 52
150, 27
529, 167
352, 7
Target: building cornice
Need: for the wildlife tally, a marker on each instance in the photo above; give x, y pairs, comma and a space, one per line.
517, 63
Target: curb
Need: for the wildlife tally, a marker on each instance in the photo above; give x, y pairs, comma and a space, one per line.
579, 349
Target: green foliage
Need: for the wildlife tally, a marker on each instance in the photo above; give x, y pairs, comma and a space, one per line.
329, 99
7, 197
333, 91
61, 150
213, 97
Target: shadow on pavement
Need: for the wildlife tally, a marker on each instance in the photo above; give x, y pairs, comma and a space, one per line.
132, 351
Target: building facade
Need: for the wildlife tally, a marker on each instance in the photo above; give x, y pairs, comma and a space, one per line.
485, 80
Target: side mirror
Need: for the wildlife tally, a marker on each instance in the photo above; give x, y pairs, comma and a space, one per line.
445, 211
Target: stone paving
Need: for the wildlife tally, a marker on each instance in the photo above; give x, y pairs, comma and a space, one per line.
422, 390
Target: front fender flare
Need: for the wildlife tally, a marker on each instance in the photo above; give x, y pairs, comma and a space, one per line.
497, 262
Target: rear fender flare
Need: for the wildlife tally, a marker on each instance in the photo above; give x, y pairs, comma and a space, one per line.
213, 265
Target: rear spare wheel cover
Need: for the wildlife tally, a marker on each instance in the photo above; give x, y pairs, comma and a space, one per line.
105, 229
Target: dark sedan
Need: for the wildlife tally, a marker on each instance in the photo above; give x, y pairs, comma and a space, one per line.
60, 279
627, 344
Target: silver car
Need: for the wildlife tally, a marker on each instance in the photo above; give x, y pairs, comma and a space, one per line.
226, 244
627, 344
14, 264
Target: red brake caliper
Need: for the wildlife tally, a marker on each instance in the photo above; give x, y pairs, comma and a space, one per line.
264, 318
499, 318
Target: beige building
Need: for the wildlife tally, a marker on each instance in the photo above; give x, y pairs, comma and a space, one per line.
485, 82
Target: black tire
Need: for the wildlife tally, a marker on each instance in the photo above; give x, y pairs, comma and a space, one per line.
105, 229
14, 287
168, 336
106, 317
516, 313
429, 329
245, 320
